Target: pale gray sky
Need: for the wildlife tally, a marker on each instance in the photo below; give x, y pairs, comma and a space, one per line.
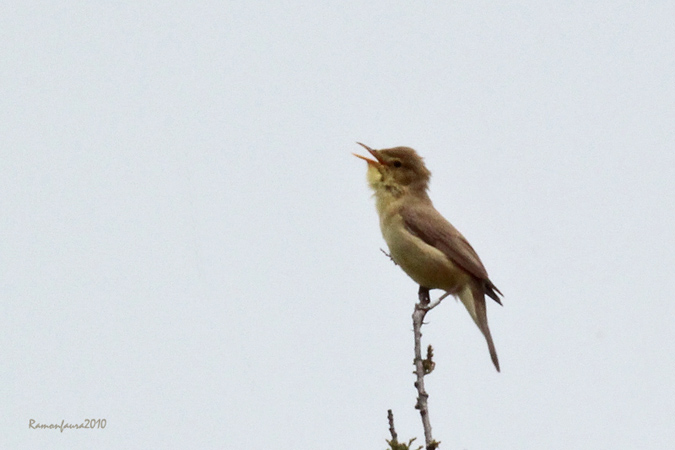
189, 250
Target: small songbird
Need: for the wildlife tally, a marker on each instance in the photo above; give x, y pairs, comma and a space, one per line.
426, 246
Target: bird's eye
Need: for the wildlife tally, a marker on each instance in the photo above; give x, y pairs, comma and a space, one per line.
397, 163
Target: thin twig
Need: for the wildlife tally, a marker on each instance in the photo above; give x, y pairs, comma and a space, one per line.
437, 302
392, 430
390, 257
423, 366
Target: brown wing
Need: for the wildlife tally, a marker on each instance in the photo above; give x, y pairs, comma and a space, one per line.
430, 226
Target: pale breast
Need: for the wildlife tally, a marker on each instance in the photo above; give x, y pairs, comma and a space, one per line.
425, 264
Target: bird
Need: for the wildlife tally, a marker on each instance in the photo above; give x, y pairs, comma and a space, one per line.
421, 241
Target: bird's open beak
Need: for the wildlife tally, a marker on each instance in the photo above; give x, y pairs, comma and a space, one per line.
377, 162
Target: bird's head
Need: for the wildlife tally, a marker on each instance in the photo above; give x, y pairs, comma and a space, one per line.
396, 169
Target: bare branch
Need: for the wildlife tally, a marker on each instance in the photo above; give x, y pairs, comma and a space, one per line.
394, 444
437, 302
392, 430
390, 257
424, 366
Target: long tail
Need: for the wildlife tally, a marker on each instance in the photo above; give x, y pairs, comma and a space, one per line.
473, 299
